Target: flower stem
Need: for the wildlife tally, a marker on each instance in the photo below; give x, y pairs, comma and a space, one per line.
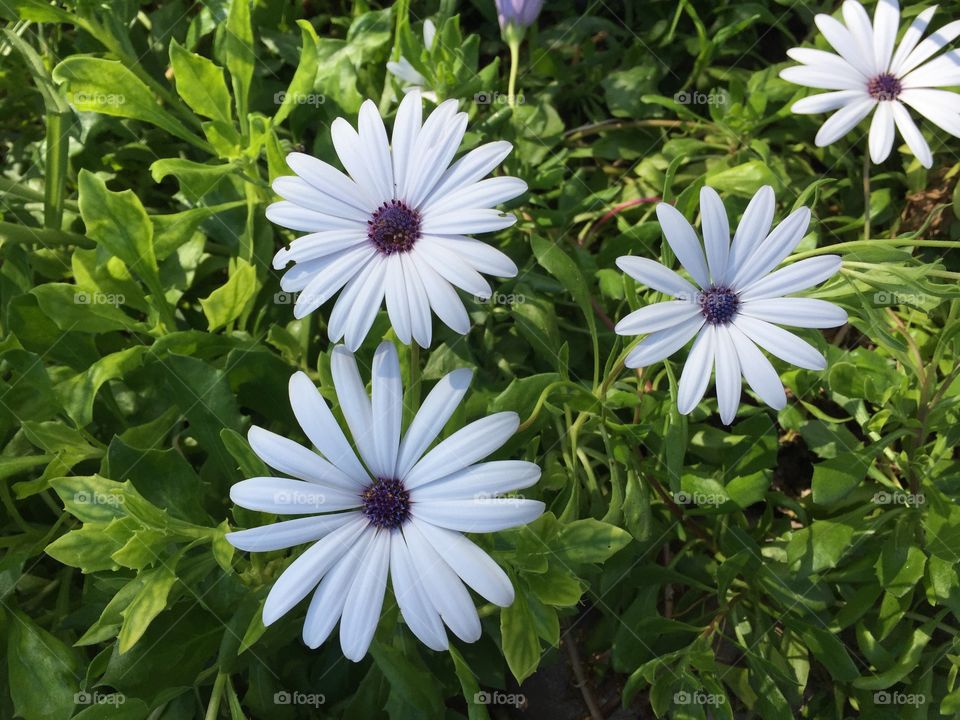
514, 66
213, 707
413, 393
866, 196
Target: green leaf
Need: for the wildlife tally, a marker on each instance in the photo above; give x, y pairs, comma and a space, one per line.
200, 83
44, 673
227, 302
150, 601
110, 88
89, 548
589, 541
302, 83
469, 686
238, 44
518, 633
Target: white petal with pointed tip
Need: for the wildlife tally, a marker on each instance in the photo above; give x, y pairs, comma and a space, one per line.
470, 563
478, 515
288, 533
419, 613
482, 480
782, 344
361, 611
696, 371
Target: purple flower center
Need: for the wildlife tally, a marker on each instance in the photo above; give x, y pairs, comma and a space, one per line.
386, 503
394, 227
719, 305
884, 87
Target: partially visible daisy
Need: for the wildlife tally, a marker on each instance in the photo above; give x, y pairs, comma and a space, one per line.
396, 227
407, 74
397, 509
732, 308
869, 76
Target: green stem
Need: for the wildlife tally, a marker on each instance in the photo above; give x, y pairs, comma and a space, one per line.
213, 708
866, 196
514, 66
413, 392
892, 242
56, 169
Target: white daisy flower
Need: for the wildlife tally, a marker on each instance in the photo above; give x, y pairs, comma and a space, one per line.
397, 226
407, 74
398, 508
869, 76
735, 303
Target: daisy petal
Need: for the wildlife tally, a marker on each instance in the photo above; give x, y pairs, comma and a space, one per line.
727, 376
318, 245
912, 135
771, 252
780, 343
481, 480
395, 290
822, 79
696, 371
356, 407
433, 414
361, 610
466, 221
326, 605
291, 497
843, 121
306, 195
415, 606
797, 312
758, 371
657, 276
860, 27
467, 445
293, 217
333, 277
793, 278
753, 228
658, 316
471, 564
663, 343
387, 404
443, 298
353, 156
483, 194
358, 304
716, 233
935, 105
910, 39
844, 43
303, 574
293, 459
449, 266
930, 47
886, 22
289, 533
421, 322
328, 180
683, 241
881, 132
446, 591
826, 102
405, 130
478, 515
482, 257
373, 143
471, 167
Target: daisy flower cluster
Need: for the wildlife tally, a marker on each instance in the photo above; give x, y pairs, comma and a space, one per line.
396, 229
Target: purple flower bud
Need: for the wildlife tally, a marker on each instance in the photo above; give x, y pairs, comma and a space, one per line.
520, 13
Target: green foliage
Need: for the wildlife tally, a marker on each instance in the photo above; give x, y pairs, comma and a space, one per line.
800, 563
